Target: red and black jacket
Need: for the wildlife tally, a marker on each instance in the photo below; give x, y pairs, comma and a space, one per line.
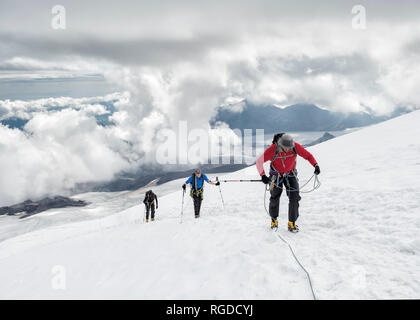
283, 162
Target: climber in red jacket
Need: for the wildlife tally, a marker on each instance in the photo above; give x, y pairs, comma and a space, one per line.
282, 154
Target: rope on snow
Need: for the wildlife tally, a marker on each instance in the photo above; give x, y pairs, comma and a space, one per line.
317, 184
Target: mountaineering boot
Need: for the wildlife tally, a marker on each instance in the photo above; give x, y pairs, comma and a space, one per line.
153, 219
197, 216
292, 227
274, 223
147, 220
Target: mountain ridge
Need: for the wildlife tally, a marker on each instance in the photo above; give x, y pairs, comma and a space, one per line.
296, 117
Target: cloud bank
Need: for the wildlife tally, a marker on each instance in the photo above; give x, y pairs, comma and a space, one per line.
180, 60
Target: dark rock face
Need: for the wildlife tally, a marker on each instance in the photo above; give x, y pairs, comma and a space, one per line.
327, 136
30, 207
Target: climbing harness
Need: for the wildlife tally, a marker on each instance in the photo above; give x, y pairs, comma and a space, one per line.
276, 181
197, 191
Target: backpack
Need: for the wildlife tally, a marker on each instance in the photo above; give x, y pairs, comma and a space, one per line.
149, 197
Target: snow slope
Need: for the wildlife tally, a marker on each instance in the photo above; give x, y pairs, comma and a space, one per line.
101, 204
359, 236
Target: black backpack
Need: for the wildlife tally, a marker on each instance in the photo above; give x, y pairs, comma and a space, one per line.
277, 136
149, 196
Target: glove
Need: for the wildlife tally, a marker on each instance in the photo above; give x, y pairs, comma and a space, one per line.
265, 179
184, 186
218, 183
317, 170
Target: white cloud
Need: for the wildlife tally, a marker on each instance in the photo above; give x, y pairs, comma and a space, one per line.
57, 150
180, 64
26, 109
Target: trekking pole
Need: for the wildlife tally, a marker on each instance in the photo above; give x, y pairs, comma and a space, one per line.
220, 190
144, 216
182, 207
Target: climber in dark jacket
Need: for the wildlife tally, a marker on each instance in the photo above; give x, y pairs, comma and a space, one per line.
149, 202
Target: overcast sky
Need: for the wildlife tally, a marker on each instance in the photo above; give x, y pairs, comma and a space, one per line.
274, 51
179, 60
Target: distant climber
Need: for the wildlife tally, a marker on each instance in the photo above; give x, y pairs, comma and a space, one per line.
197, 187
149, 202
282, 154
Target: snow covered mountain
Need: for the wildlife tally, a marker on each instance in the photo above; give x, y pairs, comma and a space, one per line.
297, 117
359, 235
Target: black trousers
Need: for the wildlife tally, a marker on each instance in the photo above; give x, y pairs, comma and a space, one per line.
197, 199
150, 207
292, 191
